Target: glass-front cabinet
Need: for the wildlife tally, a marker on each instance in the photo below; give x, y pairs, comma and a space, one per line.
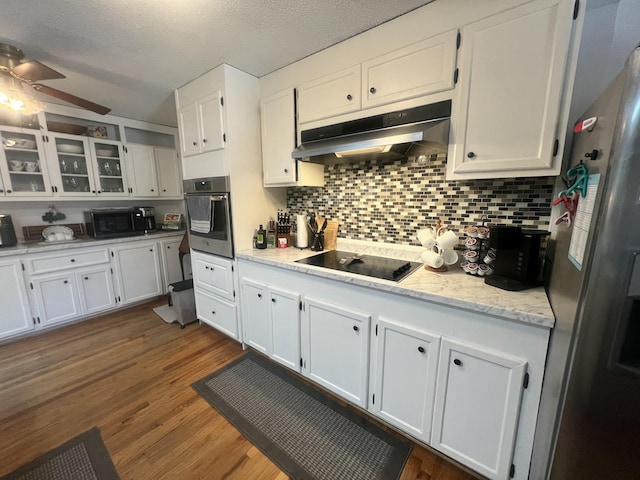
22, 166
87, 166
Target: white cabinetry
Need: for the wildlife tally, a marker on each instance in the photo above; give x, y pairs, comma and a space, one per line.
256, 324
155, 171
512, 69
67, 285
477, 406
420, 69
138, 271
278, 125
214, 289
335, 349
23, 171
16, 315
405, 381
201, 126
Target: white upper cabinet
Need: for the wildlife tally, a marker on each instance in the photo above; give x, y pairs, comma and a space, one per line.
22, 167
168, 171
330, 96
420, 69
155, 171
201, 126
278, 127
477, 406
512, 70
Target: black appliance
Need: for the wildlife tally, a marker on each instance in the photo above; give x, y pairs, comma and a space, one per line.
384, 268
518, 264
119, 222
209, 215
7, 232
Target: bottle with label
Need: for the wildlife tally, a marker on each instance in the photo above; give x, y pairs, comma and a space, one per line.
261, 238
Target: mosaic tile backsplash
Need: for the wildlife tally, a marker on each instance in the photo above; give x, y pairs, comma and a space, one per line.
391, 200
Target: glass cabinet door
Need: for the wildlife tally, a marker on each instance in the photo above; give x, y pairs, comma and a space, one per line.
23, 167
74, 165
109, 170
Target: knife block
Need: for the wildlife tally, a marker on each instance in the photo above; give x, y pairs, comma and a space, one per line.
331, 235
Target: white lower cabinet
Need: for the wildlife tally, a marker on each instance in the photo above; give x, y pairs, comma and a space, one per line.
335, 349
284, 314
57, 297
214, 287
255, 316
16, 315
477, 406
138, 271
96, 289
405, 380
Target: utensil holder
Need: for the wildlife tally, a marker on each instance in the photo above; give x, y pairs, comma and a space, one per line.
317, 241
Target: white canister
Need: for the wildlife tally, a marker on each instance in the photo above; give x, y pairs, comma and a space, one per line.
302, 235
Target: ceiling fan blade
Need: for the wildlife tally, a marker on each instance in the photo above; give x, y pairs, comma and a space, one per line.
34, 71
67, 97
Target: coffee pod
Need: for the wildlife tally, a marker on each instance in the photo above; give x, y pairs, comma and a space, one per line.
471, 255
447, 240
425, 235
472, 243
464, 266
489, 257
450, 257
432, 259
473, 268
483, 269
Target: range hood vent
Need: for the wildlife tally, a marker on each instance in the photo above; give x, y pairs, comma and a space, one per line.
421, 130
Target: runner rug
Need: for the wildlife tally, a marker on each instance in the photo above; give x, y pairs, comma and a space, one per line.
307, 434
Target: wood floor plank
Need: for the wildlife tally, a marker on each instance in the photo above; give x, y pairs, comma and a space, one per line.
130, 374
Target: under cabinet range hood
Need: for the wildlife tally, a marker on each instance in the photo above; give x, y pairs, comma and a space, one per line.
416, 131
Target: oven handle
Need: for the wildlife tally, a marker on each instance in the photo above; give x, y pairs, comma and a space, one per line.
218, 198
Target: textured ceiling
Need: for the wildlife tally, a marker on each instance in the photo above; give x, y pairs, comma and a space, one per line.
129, 55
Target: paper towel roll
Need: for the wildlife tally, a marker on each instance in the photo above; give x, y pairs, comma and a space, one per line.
302, 235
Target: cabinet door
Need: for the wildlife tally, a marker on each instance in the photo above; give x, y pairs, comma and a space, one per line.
22, 166
278, 124
511, 77
138, 269
336, 349
16, 314
211, 123
142, 164
256, 328
284, 317
213, 274
188, 130
171, 262
109, 168
169, 173
420, 69
407, 363
217, 313
330, 95
57, 297
96, 289
477, 407
71, 165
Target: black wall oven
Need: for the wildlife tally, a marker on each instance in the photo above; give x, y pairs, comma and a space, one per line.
209, 215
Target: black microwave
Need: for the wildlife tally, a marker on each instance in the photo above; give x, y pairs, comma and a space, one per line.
120, 222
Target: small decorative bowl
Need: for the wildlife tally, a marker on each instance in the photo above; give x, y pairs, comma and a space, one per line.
16, 165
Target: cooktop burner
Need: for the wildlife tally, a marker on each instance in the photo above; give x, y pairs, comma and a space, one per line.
369, 265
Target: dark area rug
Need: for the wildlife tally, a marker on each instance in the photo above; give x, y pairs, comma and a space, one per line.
307, 434
82, 458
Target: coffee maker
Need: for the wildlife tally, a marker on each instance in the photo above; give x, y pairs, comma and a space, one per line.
519, 257
7, 232
148, 217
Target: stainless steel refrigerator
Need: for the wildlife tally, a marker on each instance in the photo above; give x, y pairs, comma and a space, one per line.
589, 419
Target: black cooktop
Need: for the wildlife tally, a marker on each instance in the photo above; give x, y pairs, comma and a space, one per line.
369, 265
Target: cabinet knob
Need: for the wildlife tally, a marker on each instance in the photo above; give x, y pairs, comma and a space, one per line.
73, 260
286, 170
349, 97
93, 191
204, 140
356, 328
164, 189
213, 312
86, 278
458, 362
168, 246
8, 191
152, 190
471, 155
273, 300
421, 349
372, 90
99, 191
66, 281
151, 249
259, 295
195, 143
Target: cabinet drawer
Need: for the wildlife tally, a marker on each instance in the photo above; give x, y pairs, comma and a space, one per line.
217, 312
61, 261
213, 274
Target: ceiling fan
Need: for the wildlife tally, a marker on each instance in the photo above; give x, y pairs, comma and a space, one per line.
16, 72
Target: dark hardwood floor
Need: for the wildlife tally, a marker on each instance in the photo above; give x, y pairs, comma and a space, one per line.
130, 374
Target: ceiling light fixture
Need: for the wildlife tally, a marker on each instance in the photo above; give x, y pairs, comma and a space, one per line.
13, 96
360, 151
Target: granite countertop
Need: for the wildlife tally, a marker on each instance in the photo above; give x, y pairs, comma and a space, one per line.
23, 248
454, 287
